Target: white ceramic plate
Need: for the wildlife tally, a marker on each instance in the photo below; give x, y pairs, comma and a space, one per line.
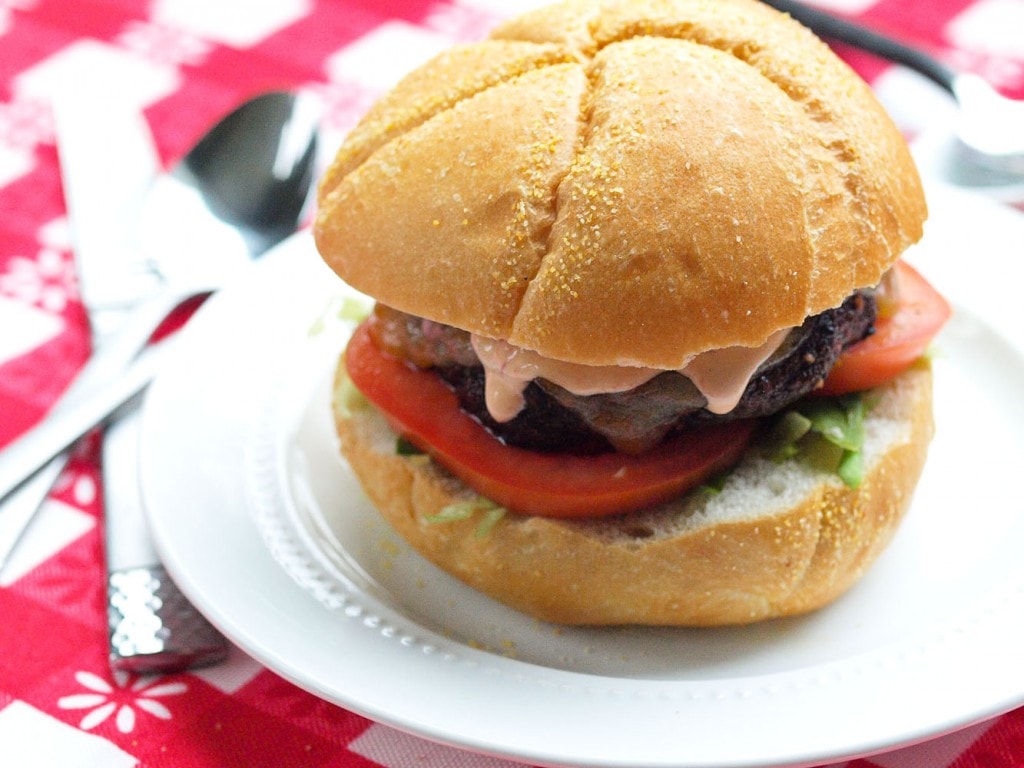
266, 531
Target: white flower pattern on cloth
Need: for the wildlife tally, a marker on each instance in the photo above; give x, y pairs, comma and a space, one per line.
48, 281
25, 123
106, 700
164, 45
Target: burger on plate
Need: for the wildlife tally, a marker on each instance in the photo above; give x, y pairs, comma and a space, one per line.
644, 350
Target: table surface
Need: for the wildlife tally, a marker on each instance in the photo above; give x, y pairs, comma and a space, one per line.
183, 64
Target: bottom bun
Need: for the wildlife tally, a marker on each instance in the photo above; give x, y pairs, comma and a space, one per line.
779, 539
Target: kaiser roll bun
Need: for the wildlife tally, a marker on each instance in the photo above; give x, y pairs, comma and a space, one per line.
779, 539
624, 183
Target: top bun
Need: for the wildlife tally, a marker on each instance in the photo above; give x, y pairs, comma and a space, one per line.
624, 183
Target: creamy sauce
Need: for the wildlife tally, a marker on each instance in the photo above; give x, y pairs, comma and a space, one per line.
721, 375
508, 369
887, 294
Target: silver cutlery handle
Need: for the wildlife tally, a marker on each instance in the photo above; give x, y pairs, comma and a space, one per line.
59, 430
126, 530
152, 626
115, 373
20, 507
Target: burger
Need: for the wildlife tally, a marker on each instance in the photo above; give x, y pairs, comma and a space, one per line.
644, 349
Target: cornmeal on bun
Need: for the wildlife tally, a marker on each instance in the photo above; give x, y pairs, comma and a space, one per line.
644, 350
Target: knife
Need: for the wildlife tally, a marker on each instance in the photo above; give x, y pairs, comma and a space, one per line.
104, 210
151, 626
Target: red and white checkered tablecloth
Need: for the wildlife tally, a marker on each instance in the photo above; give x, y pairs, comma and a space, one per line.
183, 63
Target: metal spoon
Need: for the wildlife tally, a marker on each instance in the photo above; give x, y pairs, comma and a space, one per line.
242, 188
990, 133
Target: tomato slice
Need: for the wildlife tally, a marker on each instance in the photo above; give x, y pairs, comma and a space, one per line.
426, 411
898, 340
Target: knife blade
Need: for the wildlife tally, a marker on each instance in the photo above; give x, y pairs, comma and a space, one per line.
151, 626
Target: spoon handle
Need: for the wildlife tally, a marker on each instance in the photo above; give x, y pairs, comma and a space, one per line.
19, 507
31, 464
115, 373
59, 430
826, 25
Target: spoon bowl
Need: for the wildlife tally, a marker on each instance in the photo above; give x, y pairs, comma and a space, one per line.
254, 169
241, 190
991, 126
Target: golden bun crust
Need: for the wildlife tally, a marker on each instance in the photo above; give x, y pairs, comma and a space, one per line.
780, 538
624, 183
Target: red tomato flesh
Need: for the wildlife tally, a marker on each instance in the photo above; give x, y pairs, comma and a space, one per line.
426, 412
898, 340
